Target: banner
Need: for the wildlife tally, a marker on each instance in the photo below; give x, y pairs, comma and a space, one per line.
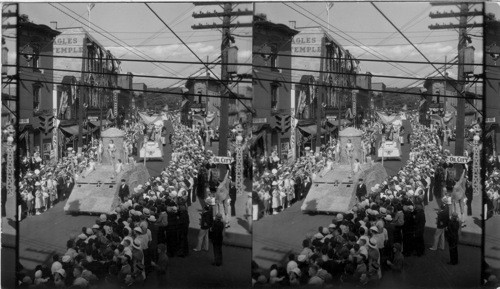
476, 170
150, 119
221, 160
11, 183
387, 119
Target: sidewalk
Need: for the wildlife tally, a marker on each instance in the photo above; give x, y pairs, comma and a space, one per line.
238, 233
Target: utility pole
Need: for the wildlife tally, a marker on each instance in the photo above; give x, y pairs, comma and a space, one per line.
462, 15
80, 116
225, 77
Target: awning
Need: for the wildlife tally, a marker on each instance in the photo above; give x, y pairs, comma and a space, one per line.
73, 130
98, 122
256, 128
311, 129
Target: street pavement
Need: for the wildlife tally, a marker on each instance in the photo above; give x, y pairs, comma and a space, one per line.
276, 236
44, 235
492, 243
8, 252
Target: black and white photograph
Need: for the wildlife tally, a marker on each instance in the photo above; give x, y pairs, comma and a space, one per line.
133, 123
212, 144
368, 144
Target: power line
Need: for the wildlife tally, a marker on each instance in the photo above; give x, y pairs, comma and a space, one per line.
100, 33
361, 60
360, 44
133, 90
201, 61
257, 53
423, 55
117, 74
347, 87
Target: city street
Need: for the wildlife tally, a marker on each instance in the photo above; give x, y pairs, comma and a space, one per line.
492, 243
277, 235
37, 246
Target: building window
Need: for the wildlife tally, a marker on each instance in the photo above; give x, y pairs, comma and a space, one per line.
274, 96
37, 88
274, 57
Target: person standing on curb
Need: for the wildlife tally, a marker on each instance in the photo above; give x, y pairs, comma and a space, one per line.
217, 236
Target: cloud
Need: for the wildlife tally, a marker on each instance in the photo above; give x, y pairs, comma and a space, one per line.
244, 56
430, 50
164, 51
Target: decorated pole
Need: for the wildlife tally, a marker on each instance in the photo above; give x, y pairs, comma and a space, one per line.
476, 166
293, 135
239, 164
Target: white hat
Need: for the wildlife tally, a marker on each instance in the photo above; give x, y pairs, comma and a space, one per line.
388, 218
372, 243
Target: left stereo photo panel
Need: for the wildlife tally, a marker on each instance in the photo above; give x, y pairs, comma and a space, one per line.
10, 136
134, 120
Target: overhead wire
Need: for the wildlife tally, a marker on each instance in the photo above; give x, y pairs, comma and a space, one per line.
423, 55
201, 61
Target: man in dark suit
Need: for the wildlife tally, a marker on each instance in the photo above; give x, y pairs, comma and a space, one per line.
217, 236
360, 189
124, 191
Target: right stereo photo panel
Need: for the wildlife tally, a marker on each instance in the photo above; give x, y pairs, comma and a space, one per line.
491, 245
367, 144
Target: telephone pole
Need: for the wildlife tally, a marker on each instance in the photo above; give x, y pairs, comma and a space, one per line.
225, 76
462, 16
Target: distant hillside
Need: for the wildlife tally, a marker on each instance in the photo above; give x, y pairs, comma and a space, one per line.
163, 97
396, 100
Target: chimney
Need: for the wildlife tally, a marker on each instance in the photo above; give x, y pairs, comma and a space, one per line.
292, 24
53, 25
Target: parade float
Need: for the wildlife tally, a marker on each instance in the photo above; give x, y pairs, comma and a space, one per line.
333, 190
96, 189
152, 145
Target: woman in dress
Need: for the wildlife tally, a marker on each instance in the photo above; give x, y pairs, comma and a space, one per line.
100, 149
38, 198
112, 152
349, 150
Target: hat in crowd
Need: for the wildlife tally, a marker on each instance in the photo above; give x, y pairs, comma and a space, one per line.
89, 231
275, 183
325, 231
38, 274
218, 216
80, 282
339, 217
37, 183
297, 271
27, 280
137, 244
103, 218
318, 236
152, 219
372, 243
301, 258
388, 218
138, 230
146, 211
332, 226
66, 258
374, 229
95, 226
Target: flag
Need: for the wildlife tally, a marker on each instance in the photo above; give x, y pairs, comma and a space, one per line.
421, 103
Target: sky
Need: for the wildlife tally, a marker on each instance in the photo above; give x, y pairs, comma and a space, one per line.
132, 26
362, 30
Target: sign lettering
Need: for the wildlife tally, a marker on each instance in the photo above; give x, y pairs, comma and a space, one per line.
490, 120
457, 159
260, 120
221, 160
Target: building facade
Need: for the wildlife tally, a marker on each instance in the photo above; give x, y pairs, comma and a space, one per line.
324, 79
492, 82
272, 87
35, 87
86, 88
